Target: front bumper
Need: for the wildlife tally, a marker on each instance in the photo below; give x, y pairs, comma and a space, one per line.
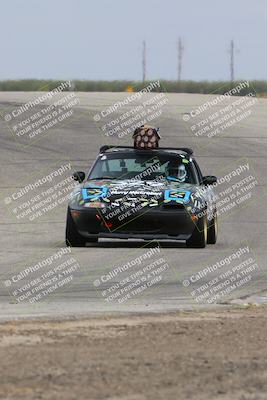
153, 224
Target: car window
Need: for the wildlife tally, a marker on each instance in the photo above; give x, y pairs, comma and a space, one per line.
129, 164
144, 167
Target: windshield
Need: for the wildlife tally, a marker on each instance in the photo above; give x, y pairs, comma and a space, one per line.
144, 167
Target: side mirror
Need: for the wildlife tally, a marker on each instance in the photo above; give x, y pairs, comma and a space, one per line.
79, 176
209, 180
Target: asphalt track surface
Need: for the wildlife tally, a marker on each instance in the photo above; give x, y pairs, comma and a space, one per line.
77, 140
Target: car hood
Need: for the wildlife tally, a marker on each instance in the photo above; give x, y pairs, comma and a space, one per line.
133, 189
133, 185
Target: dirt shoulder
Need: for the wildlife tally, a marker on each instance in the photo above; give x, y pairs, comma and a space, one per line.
204, 355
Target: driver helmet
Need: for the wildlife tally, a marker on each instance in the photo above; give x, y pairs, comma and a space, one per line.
177, 171
181, 174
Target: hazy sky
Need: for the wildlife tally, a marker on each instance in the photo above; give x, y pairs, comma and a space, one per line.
102, 39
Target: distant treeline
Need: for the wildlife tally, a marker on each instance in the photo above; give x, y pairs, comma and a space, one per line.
205, 87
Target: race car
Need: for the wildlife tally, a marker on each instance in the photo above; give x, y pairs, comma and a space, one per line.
143, 193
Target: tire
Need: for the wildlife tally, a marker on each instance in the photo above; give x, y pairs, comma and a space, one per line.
73, 238
198, 239
213, 230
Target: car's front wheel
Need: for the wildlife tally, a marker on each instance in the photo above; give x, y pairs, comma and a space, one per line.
213, 230
73, 238
198, 239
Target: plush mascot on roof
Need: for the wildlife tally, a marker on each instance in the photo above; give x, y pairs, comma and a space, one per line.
146, 137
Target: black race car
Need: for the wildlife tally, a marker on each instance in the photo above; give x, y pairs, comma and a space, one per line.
130, 192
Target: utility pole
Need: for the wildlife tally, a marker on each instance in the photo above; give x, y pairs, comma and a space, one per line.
72, 86
144, 61
180, 50
232, 61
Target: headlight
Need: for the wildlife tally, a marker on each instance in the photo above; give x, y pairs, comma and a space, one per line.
76, 196
198, 203
93, 196
94, 192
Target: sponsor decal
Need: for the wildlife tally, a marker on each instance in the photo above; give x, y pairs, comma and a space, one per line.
177, 196
94, 192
